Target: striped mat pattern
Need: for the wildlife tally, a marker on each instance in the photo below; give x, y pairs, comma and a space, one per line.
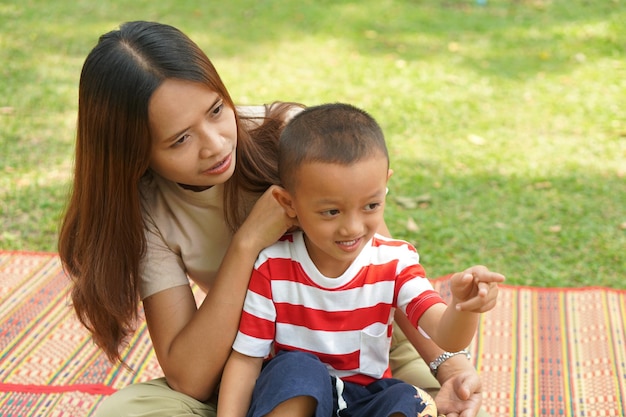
541, 352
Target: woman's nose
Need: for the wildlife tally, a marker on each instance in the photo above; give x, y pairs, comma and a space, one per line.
211, 143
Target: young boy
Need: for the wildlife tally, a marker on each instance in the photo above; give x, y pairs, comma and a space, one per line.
321, 301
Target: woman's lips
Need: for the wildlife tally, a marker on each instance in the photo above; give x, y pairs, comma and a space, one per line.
220, 167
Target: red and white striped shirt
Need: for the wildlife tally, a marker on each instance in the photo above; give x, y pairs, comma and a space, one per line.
345, 321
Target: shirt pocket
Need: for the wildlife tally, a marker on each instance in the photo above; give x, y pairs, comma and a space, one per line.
374, 354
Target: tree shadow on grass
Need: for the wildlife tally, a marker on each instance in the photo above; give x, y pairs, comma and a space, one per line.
507, 38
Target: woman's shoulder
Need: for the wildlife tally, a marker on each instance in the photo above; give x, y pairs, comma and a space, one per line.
277, 110
251, 111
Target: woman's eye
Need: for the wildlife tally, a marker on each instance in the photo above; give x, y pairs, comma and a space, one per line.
218, 109
181, 140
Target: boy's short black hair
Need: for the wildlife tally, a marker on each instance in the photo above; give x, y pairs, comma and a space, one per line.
330, 133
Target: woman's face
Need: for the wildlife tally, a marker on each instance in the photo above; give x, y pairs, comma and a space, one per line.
194, 134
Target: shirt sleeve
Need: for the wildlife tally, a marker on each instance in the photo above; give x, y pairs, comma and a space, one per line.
161, 268
415, 293
257, 325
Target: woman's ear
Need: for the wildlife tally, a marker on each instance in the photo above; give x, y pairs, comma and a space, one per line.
285, 200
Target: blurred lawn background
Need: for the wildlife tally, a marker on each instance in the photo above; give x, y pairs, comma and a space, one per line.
506, 121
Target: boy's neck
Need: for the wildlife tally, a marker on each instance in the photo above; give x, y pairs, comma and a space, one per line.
325, 264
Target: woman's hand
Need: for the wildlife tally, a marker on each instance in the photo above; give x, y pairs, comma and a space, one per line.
266, 223
460, 395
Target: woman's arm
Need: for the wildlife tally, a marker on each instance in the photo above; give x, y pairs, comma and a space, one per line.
192, 345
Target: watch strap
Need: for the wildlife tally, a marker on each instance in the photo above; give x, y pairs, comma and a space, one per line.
434, 365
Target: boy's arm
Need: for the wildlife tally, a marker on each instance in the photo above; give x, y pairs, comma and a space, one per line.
452, 327
240, 375
461, 388
475, 289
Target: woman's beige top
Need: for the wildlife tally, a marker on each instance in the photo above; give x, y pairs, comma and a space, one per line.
186, 235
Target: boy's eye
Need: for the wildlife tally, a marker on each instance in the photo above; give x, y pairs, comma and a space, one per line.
330, 213
372, 206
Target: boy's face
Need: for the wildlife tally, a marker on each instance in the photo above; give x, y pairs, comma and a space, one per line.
339, 208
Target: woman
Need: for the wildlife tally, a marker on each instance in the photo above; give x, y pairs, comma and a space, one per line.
171, 182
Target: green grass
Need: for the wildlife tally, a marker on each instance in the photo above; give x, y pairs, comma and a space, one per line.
506, 123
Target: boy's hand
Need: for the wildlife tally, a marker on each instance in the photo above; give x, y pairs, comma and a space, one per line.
475, 289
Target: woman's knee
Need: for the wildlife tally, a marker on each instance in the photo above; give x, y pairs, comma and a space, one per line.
407, 365
153, 399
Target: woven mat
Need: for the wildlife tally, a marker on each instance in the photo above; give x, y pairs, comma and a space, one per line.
541, 352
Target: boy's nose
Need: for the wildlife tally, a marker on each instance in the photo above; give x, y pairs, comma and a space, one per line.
351, 226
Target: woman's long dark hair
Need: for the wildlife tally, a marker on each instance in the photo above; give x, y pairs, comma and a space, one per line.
101, 240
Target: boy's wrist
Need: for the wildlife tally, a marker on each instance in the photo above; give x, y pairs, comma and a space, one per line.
440, 360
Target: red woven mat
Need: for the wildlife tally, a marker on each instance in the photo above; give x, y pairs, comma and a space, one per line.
552, 352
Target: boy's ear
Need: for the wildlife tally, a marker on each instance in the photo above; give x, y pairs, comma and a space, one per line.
389, 173
285, 200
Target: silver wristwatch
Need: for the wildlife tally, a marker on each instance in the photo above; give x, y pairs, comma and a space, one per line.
434, 365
